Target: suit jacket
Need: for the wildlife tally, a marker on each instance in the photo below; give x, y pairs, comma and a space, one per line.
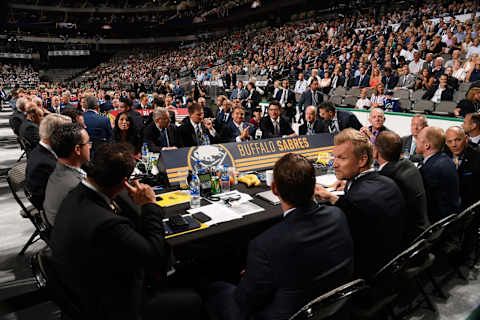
207, 112
101, 256
409, 180
187, 136
275, 285
319, 126
230, 131
239, 94
106, 106
306, 99
266, 126
98, 127
347, 119
219, 122
406, 145
340, 81
178, 91
153, 137
40, 164
290, 96
441, 183
29, 131
364, 83
374, 207
407, 81
391, 83
447, 94
348, 82
468, 174
62, 180
230, 79
15, 120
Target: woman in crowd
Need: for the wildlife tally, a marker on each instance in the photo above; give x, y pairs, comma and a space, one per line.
469, 105
326, 82
378, 97
470, 63
426, 80
124, 131
458, 72
376, 78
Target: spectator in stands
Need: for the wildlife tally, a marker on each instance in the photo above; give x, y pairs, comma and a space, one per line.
312, 125
455, 57
439, 91
239, 92
98, 127
195, 130
71, 144
391, 104
425, 81
18, 115
375, 78
474, 74
273, 125
363, 102
314, 76
286, 97
470, 104
474, 48
458, 72
466, 157
102, 271
107, 105
29, 131
161, 134
452, 82
387, 150
253, 99
471, 125
144, 104
376, 119
376, 223
13, 99
66, 98
389, 80
224, 116
438, 68
208, 113
439, 174
257, 116
42, 160
300, 85
378, 97
409, 143
349, 79
124, 132
362, 80
312, 97
137, 118
178, 90
237, 130
406, 80
274, 285
416, 65
337, 120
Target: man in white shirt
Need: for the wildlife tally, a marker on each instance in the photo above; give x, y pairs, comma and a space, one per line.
300, 85
238, 130
475, 48
416, 65
471, 125
314, 76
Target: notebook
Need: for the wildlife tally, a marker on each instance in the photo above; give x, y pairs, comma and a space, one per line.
269, 197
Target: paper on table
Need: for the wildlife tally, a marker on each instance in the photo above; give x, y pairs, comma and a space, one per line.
326, 180
217, 212
336, 192
245, 208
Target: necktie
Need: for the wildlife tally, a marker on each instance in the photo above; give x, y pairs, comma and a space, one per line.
414, 146
314, 97
165, 138
404, 79
360, 82
375, 133
310, 128
276, 128
199, 135
457, 161
332, 127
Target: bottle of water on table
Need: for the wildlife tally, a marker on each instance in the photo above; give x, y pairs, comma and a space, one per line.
145, 153
194, 192
225, 180
406, 154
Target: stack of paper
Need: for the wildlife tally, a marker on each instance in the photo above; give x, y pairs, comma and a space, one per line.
326, 180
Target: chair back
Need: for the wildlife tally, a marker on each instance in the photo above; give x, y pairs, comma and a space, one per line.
402, 94
418, 94
405, 104
328, 304
423, 105
459, 95
16, 182
47, 278
350, 101
336, 100
354, 92
445, 107
340, 91
435, 231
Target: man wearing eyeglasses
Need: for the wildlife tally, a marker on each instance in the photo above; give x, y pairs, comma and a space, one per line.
71, 144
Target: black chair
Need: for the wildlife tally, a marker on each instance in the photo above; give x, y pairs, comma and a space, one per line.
21, 142
47, 279
386, 284
329, 304
16, 183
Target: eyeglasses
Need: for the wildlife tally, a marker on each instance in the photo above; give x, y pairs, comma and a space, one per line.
88, 142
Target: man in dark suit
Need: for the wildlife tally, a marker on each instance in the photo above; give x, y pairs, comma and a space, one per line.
363, 79
144, 104
409, 143
107, 105
29, 128
99, 127
389, 80
66, 98
439, 174
373, 204
349, 79
286, 97
406, 80
275, 285
273, 125
55, 105
466, 157
224, 115
471, 125
238, 130
160, 135
42, 159
337, 120
387, 150
195, 130
312, 125
439, 91
239, 92
376, 119
18, 115
312, 97
207, 111
101, 249
178, 90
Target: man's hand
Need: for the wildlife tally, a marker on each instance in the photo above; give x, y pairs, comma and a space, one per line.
208, 124
366, 131
339, 185
245, 135
169, 148
292, 135
323, 194
140, 193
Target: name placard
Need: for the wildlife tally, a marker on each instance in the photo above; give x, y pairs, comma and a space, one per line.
245, 156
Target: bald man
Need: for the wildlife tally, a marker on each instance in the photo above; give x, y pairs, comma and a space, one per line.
466, 156
312, 125
439, 174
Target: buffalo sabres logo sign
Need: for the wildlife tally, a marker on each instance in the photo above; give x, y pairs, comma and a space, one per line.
209, 156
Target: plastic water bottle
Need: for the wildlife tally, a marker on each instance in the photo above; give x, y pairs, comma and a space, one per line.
194, 192
206, 140
406, 154
145, 153
225, 180
258, 134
